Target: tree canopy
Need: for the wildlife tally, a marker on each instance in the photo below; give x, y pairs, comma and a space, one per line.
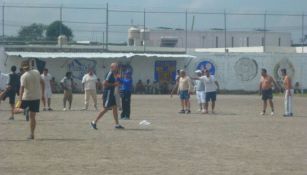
56, 29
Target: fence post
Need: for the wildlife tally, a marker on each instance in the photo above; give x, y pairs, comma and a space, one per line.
107, 28
186, 30
303, 32
3, 25
264, 31
144, 30
225, 30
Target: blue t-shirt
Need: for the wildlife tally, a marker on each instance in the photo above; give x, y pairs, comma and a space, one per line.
126, 84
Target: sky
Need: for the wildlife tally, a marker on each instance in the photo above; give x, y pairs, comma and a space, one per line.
16, 17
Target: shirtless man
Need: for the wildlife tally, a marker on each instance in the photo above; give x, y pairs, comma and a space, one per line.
288, 93
185, 89
265, 89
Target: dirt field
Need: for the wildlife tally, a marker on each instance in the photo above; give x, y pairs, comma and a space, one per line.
236, 140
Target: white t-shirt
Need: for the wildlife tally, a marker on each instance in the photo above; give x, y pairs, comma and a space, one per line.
89, 82
47, 78
30, 80
209, 82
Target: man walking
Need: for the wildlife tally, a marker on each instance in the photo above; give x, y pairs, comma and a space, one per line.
289, 92
265, 89
185, 89
211, 87
67, 84
13, 89
89, 82
125, 92
200, 91
48, 92
31, 90
109, 101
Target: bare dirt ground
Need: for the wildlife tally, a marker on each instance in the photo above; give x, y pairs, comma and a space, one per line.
236, 140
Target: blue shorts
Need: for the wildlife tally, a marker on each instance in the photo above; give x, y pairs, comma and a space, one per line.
184, 95
210, 96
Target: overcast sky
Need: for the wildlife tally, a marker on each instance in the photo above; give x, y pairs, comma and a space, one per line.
14, 18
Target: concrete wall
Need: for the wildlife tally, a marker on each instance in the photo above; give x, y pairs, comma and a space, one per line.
234, 71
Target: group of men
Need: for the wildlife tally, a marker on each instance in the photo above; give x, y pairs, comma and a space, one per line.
31, 86
206, 87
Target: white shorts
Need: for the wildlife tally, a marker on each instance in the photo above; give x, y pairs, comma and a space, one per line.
48, 93
201, 97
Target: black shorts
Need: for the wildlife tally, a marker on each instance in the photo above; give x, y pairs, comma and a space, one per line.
108, 99
267, 94
33, 105
210, 96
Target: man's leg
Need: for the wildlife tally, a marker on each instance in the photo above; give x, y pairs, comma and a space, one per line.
86, 98
100, 114
265, 103
291, 102
70, 100
12, 111
64, 100
115, 114
32, 124
128, 104
94, 96
271, 104
182, 104
213, 106
206, 107
286, 103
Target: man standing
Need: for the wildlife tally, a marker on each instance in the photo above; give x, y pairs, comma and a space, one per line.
31, 90
67, 84
185, 89
289, 91
109, 101
200, 92
89, 82
13, 89
265, 89
48, 92
211, 87
125, 92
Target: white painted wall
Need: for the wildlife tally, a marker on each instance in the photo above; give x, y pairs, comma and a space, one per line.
224, 63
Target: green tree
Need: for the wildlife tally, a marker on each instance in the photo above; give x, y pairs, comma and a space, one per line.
56, 29
33, 32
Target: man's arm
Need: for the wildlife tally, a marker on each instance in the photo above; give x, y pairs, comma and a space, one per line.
217, 84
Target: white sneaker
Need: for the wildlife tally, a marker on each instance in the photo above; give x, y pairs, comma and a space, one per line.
262, 113
272, 113
64, 109
203, 111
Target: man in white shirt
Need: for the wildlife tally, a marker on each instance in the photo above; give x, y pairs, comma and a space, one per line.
200, 91
48, 93
32, 88
89, 82
211, 86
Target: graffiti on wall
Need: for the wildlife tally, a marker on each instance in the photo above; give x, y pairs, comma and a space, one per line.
283, 64
246, 69
165, 71
206, 65
79, 67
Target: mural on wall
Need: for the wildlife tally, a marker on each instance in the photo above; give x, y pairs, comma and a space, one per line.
165, 71
206, 65
246, 69
79, 67
283, 64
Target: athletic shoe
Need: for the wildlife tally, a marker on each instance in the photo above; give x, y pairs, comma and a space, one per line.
45, 109
188, 112
272, 113
84, 109
50, 109
64, 109
93, 124
11, 118
262, 113
119, 127
182, 111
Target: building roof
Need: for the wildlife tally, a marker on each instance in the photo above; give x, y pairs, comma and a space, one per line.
46, 55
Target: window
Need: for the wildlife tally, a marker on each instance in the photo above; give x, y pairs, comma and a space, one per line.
217, 42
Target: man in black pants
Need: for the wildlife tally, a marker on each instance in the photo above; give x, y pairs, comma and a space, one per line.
13, 89
109, 101
125, 93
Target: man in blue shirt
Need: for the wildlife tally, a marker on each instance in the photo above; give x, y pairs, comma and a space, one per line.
125, 93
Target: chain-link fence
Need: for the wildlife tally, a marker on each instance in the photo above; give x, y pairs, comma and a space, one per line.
105, 26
